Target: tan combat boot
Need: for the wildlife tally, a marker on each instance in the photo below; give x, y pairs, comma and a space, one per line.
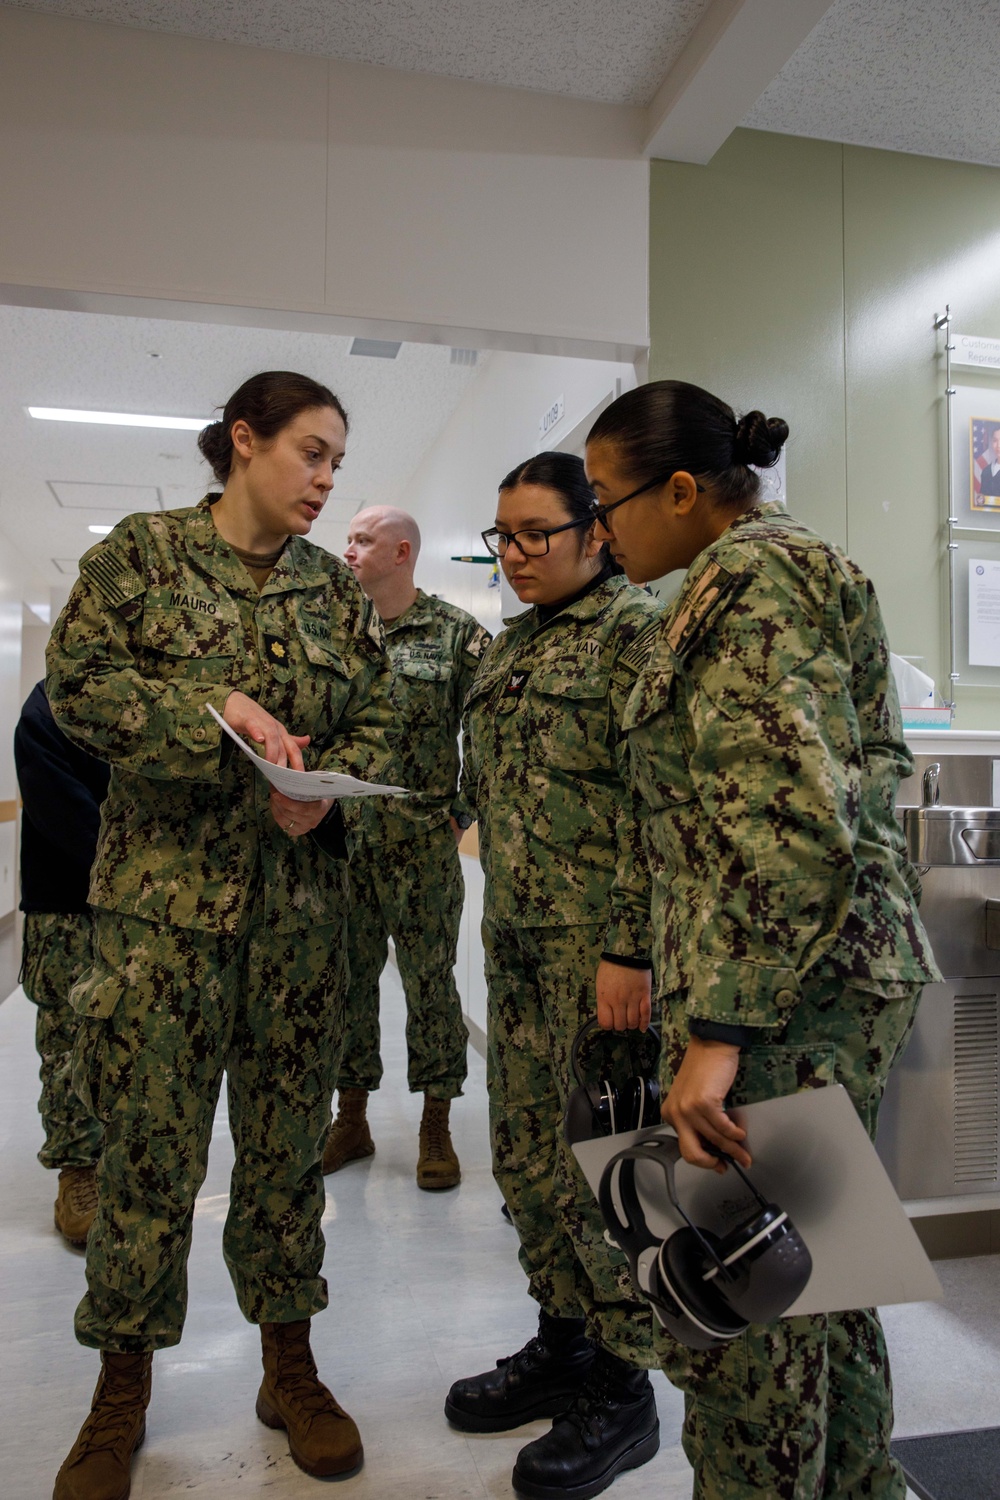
322, 1438
76, 1203
437, 1164
349, 1138
99, 1464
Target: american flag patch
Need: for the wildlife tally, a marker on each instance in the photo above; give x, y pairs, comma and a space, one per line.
112, 576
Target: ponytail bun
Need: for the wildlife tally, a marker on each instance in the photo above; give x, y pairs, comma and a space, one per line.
217, 448
759, 440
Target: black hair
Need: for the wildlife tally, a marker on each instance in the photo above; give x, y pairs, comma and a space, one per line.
564, 473
669, 425
267, 403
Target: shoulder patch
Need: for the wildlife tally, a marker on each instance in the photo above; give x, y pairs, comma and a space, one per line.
698, 606
373, 629
112, 575
476, 645
638, 653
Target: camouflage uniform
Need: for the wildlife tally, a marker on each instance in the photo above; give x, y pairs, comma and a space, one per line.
766, 742
219, 939
406, 878
56, 951
566, 880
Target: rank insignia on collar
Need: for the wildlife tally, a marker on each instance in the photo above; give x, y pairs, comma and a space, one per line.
515, 684
275, 650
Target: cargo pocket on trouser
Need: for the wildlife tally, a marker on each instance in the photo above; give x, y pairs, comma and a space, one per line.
771, 1072
103, 1066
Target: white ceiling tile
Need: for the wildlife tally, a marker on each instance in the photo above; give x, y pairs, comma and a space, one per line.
74, 495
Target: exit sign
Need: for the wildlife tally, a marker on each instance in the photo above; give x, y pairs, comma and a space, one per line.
551, 418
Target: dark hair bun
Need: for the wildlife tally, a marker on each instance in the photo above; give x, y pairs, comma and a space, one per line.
759, 440
216, 446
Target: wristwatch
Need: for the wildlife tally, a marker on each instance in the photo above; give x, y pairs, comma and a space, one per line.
464, 820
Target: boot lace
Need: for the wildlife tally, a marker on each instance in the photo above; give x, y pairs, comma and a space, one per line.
112, 1420
437, 1136
589, 1409
533, 1352
299, 1381
81, 1191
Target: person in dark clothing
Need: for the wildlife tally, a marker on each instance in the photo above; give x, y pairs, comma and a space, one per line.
62, 788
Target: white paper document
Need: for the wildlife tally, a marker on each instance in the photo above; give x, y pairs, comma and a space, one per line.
984, 613
812, 1156
306, 786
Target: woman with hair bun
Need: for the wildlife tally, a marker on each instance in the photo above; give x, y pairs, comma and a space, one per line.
219, 906
766, 744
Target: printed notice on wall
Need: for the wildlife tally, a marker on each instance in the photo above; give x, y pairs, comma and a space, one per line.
984, 613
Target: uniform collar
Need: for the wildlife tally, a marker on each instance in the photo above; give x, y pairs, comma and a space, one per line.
420, 612
593, 604
298, 567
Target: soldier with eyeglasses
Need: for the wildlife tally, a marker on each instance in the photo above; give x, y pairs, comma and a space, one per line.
566, 934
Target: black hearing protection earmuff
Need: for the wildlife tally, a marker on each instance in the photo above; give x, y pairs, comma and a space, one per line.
607, 1108
704, 1288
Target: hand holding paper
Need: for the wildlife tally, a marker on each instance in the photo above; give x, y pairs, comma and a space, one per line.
307, 786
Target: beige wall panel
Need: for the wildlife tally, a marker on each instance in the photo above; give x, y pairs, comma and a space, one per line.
485, 207
163, 167
746, 298
918, 234
495, 242
159, 165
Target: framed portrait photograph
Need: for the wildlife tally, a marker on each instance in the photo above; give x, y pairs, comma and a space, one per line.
984, 463
975, 456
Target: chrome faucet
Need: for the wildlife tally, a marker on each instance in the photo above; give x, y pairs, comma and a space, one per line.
931, 787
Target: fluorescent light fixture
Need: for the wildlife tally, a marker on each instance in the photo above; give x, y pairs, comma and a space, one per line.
100, 530
116, 418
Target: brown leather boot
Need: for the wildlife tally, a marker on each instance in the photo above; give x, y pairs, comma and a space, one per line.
99, 1464
76, 1203
349, 1138
322, 1438
437, 1164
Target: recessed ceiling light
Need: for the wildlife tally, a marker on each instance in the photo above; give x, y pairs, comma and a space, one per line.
116, 418
100, 530
375, 348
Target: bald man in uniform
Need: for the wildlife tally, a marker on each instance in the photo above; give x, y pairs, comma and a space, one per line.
406, 880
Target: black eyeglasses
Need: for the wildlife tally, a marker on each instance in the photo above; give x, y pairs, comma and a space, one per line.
603, 511
534, 543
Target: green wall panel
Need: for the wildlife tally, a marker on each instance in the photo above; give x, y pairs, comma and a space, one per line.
803, 277
747, 297
918, 233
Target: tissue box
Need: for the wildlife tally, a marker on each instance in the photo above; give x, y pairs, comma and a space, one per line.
923, 716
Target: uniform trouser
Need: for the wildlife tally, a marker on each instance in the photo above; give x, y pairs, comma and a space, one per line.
802, 1408
540, 984
56, 951
411, 891
163, 1012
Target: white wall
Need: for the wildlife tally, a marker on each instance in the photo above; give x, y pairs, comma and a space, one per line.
195, 175
453, 496
495, 426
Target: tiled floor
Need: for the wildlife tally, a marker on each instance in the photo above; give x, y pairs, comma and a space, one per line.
423, 1288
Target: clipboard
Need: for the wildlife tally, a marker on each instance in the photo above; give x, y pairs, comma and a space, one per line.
812, 1155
